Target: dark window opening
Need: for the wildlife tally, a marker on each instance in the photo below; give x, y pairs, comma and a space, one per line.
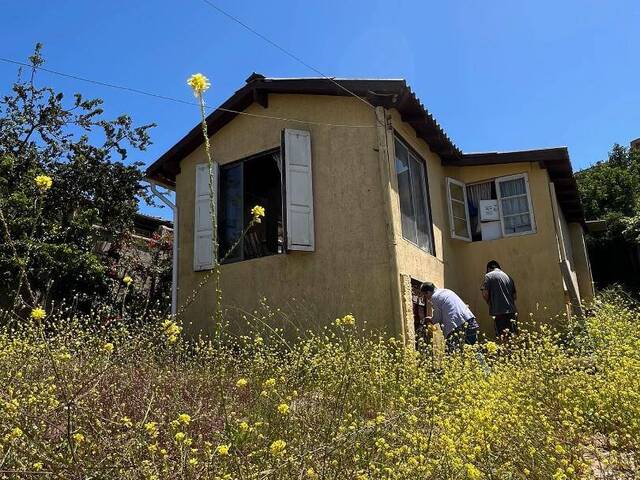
244, 184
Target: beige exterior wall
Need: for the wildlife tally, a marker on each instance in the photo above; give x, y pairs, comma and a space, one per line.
349, 271
581, 263
362, 265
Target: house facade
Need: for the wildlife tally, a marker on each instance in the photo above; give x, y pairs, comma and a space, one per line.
365, 197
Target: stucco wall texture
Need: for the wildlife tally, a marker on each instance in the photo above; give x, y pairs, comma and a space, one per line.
349, 272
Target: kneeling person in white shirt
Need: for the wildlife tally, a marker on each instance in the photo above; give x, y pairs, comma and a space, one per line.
458, 323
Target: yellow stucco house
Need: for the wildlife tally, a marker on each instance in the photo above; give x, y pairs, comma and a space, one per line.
366, 196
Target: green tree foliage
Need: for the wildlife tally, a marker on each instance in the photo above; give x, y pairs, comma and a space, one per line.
94, 193
610, 191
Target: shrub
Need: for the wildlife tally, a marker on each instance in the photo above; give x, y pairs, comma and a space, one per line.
138, 401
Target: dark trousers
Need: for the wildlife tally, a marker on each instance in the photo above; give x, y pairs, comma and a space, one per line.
463, 335
506, 324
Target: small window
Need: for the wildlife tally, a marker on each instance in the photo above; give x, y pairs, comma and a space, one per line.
458, 210
414, 199
514, 203
243, 184
491, 209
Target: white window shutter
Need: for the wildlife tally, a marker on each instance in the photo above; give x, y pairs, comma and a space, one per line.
202, 221
299, 190
458, 210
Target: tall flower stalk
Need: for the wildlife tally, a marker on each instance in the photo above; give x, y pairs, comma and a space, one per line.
200, 84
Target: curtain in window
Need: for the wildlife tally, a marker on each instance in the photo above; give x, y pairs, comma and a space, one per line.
515, 206
475, 193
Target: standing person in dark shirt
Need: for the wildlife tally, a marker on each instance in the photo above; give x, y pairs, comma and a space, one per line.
499, 291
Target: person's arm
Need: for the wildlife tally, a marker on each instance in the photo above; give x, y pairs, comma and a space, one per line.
485, 290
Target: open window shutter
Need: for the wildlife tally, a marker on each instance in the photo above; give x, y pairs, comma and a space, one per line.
299, 190
458, 210
202, 223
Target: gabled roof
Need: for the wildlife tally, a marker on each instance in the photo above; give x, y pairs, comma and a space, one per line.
557, 162
386, 93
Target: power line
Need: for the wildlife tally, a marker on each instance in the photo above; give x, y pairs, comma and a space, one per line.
283, 50
173, 99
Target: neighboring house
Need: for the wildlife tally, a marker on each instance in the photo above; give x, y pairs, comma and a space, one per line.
365, 198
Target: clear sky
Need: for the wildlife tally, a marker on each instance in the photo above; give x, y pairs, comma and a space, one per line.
497, 75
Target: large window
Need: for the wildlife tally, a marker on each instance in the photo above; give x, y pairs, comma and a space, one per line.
491, 209
414, 199
255, 181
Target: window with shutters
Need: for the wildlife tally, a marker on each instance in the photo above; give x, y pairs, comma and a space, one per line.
414, 197
244, 184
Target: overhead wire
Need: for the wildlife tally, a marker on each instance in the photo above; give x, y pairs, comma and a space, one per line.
175, 100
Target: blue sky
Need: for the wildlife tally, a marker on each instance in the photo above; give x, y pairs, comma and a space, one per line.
497, 75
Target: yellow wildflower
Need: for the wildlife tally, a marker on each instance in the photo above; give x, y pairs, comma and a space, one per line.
244, 426
311, 473
283, 408
199, 83
491, 347
38, 313
347, 320
193, 462
37, 466
151, 428
184, 418
180, 436
43, 182
78, 438
126, 421
222, 450
127, 280
277, 447
107, 347
270, 383
241, 383
258, 212
472, 472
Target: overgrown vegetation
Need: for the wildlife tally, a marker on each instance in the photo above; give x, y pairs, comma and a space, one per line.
86, 401
610, 191
48, 243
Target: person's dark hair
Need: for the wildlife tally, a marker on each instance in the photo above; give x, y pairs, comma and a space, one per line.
492, 264
427, 287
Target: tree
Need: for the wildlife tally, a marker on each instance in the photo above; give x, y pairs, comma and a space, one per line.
610, 191
52, 237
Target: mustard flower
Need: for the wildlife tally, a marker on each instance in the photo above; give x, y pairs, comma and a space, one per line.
491, 347
78, 438
151, 428
184, 418
244, 426
199, 83
180, 436
126, 421
257, 212
43, 182
38, 313
270, 383
127, 280
277, 447
37, 466
283, 408
472, 472
222, 450
347, 320
241, 383
193, 462
107, 347
311, 473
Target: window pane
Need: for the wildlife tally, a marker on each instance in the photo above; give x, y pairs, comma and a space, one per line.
457, 193
230, 208
514, 205
517, 224
509, 188
458, 210
404, 191
418, 186
460, 227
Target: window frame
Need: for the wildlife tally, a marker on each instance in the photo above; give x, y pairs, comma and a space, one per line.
425, 190
529, 204
241, 161
465, 201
